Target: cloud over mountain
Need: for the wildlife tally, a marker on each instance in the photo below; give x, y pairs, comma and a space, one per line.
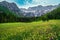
30, 3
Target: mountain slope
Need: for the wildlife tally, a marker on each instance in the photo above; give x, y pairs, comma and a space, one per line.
6, 15
30, 12
55, 14
38, 10
11, 6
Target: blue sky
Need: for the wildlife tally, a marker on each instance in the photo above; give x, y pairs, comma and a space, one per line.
30, 3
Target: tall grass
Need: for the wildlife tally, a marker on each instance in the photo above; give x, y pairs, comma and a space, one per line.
47, 30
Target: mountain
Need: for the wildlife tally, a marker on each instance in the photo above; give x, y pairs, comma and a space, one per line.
38, 10
30, 12
6, 15
11, 6
54, 14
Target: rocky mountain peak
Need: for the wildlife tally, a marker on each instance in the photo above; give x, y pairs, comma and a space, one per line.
11, 6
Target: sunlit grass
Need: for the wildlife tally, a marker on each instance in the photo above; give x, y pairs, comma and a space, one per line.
40, 30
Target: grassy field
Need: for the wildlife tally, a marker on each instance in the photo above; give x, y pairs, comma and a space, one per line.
40, 30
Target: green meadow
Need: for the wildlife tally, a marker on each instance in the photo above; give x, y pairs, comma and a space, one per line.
40, 30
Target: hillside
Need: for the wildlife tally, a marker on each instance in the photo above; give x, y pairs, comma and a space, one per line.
55, 14
6, 15
48, 30
11, 6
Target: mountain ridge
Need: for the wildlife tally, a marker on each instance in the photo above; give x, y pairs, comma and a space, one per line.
39, 10
30, 12
8, 16
11, 6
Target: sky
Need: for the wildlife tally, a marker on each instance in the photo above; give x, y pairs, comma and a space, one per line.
31, 3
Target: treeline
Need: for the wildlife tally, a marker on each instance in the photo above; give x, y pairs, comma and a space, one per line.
7, 16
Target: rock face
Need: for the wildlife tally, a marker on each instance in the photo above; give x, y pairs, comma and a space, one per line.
11, 6
38, 10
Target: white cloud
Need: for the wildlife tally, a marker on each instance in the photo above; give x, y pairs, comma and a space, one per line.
1, 0
35, 3
7, 0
